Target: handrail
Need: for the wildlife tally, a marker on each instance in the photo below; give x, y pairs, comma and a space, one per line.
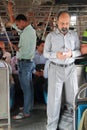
47, 22
4, 29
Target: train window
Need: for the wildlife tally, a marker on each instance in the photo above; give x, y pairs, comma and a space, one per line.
73, 20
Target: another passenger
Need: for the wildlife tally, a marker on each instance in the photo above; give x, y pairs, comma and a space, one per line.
1, 55
45, 74
11, 81
84, 50
6, 55
38, 79
25, 55
18, 98
84, 43
61, 47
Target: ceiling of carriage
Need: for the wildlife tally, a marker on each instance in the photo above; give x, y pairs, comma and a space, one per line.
44, 10
48, 2
21, 6
20, 2
40, 7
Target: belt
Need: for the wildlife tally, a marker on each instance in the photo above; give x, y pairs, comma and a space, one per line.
61, 65
24, 60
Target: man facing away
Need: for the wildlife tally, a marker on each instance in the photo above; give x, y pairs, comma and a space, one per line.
61, 47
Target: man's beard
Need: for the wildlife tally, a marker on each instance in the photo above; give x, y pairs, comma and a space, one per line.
64, 30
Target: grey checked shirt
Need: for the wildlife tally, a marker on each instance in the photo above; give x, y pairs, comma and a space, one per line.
57, 42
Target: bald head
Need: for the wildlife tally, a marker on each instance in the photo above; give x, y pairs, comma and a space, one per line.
62, 13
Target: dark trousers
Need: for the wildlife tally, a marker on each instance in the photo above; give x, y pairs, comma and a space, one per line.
38, 83
18, 97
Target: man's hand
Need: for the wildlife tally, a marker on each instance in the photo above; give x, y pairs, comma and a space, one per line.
68, 54
84, 48
60, 55
15, 47
64, 55
39, 73
9, 24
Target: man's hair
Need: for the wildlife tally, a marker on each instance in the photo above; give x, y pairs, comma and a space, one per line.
40, 42
62, 12
21, 17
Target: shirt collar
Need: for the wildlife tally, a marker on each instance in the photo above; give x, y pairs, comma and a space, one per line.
58, 32
28, 26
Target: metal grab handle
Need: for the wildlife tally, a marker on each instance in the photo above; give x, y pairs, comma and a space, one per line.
81, 88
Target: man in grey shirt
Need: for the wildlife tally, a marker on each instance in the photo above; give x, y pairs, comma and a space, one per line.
61, 48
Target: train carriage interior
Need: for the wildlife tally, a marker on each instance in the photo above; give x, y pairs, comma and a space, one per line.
42, 14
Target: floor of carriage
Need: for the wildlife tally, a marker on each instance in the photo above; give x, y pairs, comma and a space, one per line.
36, 121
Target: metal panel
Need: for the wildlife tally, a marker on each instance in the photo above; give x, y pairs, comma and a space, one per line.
80, 74
4, 95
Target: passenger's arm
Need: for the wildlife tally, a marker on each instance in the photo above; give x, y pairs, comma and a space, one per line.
10, 11
83, 48
76, 51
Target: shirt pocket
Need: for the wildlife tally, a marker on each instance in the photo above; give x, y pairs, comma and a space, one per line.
72, 43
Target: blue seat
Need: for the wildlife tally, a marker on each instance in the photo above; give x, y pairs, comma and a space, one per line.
80, 110
12, 92
45, 96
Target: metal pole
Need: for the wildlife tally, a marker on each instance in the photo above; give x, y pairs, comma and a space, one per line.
4, 29
47, 22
